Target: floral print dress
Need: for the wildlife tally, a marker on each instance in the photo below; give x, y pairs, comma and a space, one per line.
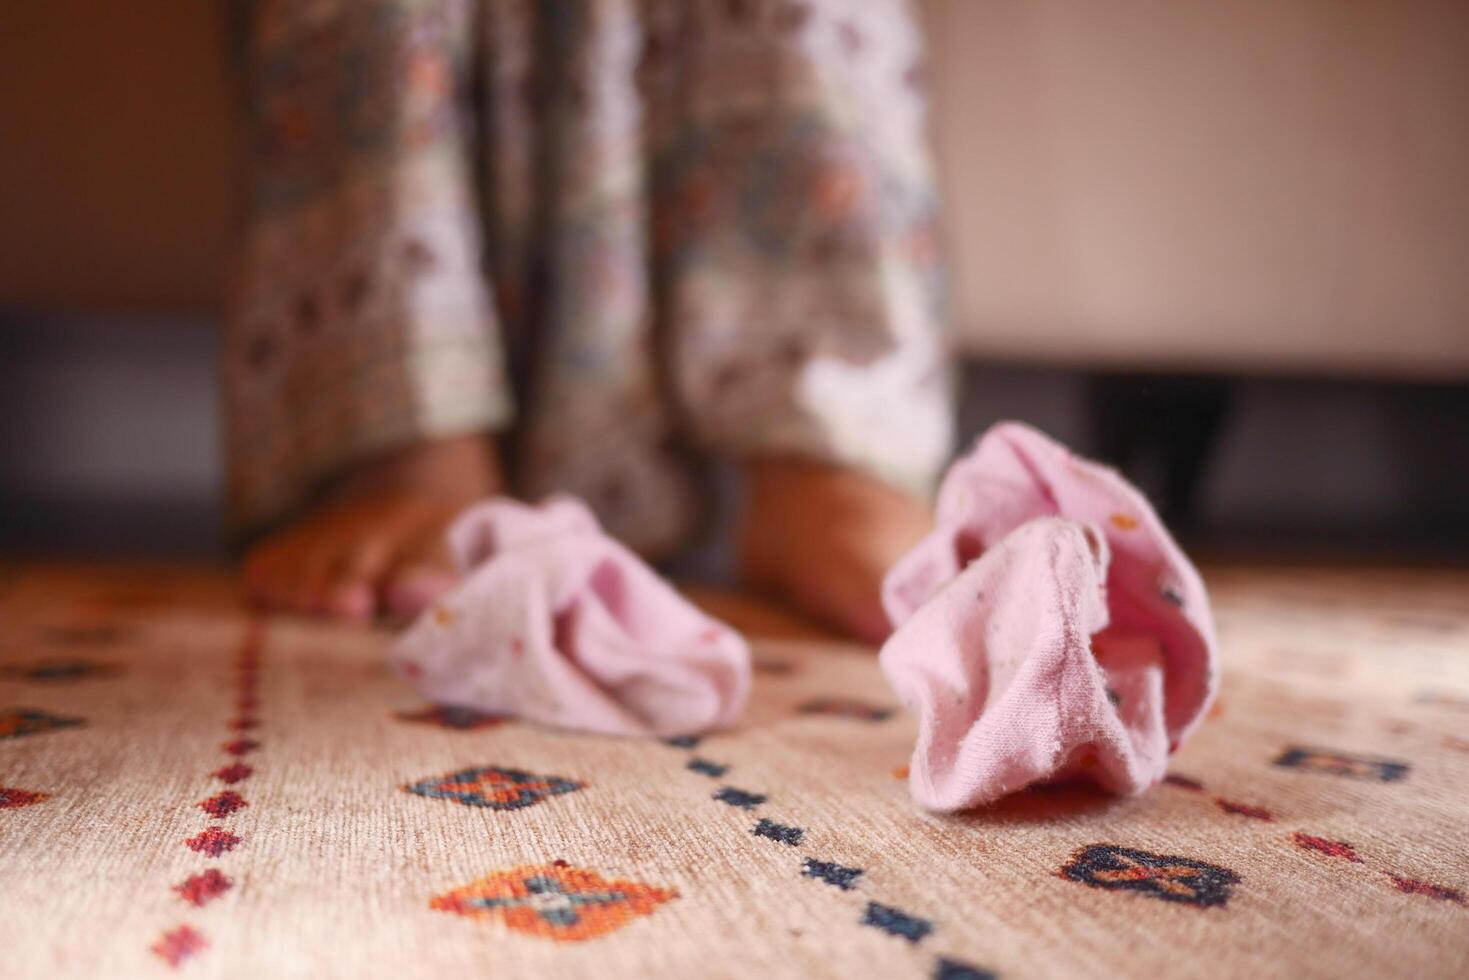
627, 232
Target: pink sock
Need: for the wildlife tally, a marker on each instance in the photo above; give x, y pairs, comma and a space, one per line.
1048, 626
556, 622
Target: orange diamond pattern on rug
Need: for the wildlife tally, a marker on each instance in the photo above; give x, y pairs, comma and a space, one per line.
493, 787
17, 722
12, 798
554, 901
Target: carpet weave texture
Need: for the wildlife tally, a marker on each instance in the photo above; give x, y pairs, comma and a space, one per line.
190, 790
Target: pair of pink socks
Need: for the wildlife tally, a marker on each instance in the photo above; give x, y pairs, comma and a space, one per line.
1048, 627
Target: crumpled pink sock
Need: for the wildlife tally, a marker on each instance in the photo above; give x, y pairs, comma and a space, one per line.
1049, 626
556, 622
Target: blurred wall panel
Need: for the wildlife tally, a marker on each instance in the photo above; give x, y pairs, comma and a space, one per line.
108, 435
1264, 184
117, 153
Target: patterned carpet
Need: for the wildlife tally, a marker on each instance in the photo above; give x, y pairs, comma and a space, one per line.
185, 789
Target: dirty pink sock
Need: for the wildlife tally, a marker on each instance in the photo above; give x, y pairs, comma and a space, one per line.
557, 623
1049, 626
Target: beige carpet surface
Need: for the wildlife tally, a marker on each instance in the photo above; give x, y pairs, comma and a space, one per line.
187, 791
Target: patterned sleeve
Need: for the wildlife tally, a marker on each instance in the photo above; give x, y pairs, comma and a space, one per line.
359, 320
797, 232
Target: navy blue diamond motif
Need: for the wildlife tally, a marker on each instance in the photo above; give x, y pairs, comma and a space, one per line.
1161, 876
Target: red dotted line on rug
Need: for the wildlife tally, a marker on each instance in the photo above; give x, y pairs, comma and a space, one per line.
182, 942
886, 918
1321, 845
1233, 807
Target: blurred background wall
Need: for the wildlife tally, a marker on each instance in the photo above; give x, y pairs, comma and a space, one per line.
1268, 198
1259, 185
120, 155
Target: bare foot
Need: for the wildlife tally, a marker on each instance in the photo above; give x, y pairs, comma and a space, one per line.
822, 537
375, 542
